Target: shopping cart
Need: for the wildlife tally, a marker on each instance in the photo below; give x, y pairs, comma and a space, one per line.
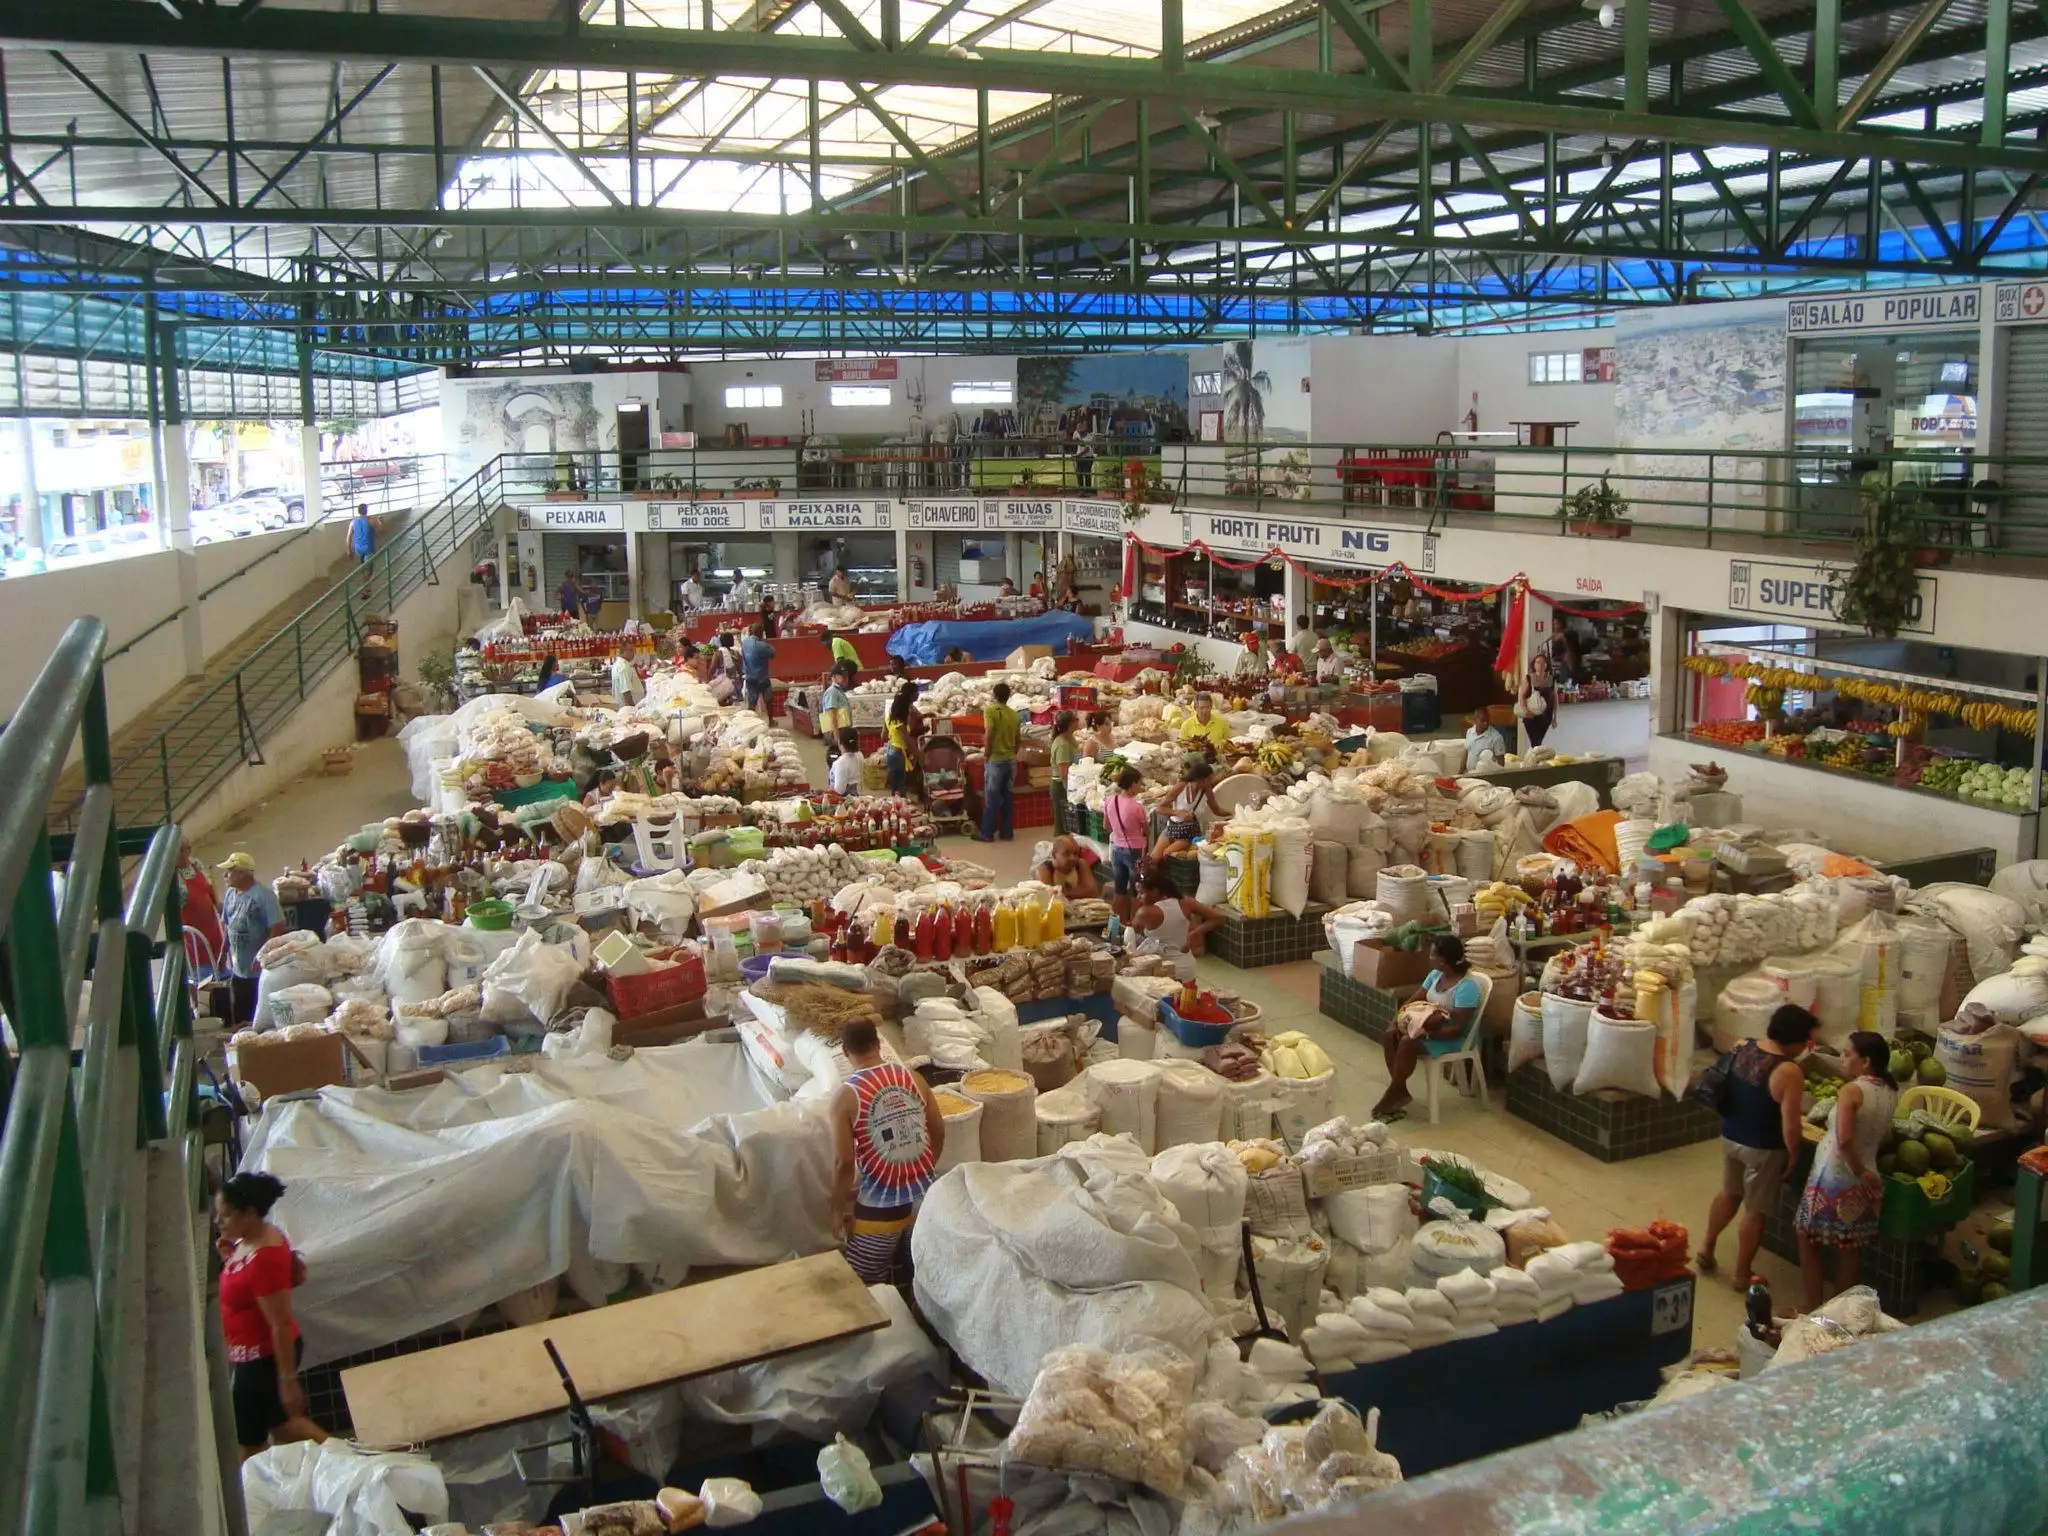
945, 783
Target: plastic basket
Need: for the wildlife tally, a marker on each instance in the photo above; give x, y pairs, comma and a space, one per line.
1908, 1213
1433, 1185
634, 997
473, 1050
534, 794
1192, 1031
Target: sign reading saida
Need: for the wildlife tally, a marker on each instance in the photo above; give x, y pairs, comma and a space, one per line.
566, 517
1806, 594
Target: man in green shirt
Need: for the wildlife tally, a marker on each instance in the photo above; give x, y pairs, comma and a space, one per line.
842, 650
1000, 727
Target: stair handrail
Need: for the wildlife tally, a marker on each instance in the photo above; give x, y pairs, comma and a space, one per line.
69, 1159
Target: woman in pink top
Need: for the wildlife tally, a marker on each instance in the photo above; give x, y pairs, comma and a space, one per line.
1130, 830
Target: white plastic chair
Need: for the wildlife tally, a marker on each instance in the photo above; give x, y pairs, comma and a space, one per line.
660, 845
1466, 1055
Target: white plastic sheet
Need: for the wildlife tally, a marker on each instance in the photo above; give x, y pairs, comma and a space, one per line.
1017, 1259
418, 1208
817, 1393
366, 1494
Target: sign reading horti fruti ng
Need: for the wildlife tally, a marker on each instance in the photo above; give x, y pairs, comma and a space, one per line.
1327, 543
828, 514
945, 514
1806, 594
1098, 519
573, 517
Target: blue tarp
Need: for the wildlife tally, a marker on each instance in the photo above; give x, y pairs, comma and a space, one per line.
925, 645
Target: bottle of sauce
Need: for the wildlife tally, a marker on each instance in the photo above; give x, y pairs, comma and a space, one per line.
903, 937
1030, 925
984, 929
942, 934
1005, 928
1055, 920
924, 937
963, 931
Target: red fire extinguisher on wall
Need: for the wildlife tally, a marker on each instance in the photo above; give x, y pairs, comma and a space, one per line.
532, 578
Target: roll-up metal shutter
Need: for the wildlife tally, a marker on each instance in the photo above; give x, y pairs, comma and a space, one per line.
2021, 519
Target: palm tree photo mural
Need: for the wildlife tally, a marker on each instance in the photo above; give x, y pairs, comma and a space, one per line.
1244, 394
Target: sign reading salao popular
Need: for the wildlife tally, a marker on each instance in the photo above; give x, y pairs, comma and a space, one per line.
1884, 311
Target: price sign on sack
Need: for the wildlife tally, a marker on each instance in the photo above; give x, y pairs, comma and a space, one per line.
1671, 1308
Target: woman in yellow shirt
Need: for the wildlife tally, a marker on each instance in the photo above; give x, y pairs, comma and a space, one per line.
905, 726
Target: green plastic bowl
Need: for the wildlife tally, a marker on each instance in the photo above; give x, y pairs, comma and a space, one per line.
490, 915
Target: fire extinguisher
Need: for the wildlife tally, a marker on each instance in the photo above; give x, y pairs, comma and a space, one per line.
917, 570
532, 578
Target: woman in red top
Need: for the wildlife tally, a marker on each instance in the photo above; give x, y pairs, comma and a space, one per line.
256, 1279
201, 912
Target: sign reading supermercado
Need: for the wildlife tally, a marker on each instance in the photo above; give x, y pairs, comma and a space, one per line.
1806, 593
828, 514
573, 517
1327, 543
1885, 311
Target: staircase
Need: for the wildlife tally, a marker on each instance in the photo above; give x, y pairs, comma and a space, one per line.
172, 758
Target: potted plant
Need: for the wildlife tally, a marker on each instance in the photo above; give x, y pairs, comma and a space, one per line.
759, 488
1596, 512
1881, 589
1141, 487
1025, 484
565, 481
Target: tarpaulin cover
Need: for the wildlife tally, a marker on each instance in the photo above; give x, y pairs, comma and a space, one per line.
925, 645
415, 1209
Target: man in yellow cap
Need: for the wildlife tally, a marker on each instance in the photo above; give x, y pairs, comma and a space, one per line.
250, 914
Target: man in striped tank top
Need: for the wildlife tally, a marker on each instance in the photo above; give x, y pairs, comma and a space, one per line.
887, 1135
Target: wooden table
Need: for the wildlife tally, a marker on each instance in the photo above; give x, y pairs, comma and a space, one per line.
691, 1331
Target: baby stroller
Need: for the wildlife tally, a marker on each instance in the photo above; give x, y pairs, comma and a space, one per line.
945, 783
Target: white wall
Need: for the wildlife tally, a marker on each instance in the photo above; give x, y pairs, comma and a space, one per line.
1382, 389
542, 412
230, 612
1497, 369
803, 391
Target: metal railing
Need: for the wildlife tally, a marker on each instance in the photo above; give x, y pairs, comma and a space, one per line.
1982, 501
72, 1141
966, 466
167, 773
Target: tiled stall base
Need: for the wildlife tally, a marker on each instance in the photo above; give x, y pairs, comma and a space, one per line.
1250, 942
1900, 1270
1352, 1003
1612, 1127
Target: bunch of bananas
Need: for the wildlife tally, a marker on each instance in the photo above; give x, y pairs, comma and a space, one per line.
1985, 716
1276, 756
1707, 666
1906, 725
1499, 900
1766, 699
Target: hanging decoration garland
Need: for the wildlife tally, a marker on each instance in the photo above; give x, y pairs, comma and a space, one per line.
1618, 610
1396, 570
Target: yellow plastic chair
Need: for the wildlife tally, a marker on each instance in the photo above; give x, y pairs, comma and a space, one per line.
1943, 1106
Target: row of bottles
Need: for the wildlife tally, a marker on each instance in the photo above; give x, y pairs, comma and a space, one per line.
981, 925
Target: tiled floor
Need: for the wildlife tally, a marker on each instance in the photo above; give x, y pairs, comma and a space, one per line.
1586, 1196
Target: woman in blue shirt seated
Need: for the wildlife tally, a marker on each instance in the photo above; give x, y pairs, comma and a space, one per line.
1436, 1023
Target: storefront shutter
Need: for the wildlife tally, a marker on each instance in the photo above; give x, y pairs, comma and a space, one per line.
2025, 504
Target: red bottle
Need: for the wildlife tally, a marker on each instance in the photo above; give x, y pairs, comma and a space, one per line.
942, 936
963, 931
984, 930
902, 936
925, 926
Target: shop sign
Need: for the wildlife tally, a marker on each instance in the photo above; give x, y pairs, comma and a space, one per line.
855, 370
1014, 512
573, 517
1100, 519
1805, 594
945, 514
2021, 301
1329, 543
827, 514
691, 517
1884, 311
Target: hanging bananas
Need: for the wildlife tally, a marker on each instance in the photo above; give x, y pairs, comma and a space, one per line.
1768, 687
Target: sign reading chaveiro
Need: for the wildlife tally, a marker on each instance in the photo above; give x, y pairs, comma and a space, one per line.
1805, 594
945, 514
566, 517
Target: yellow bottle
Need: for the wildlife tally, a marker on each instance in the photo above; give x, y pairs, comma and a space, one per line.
1030, 924
1006, 927
1055, 920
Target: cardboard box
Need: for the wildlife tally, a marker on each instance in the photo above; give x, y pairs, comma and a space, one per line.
1391, 970
273, 1066
666, 1026
1024, 655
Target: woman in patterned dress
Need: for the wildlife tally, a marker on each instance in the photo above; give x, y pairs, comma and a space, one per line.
1845, 1192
